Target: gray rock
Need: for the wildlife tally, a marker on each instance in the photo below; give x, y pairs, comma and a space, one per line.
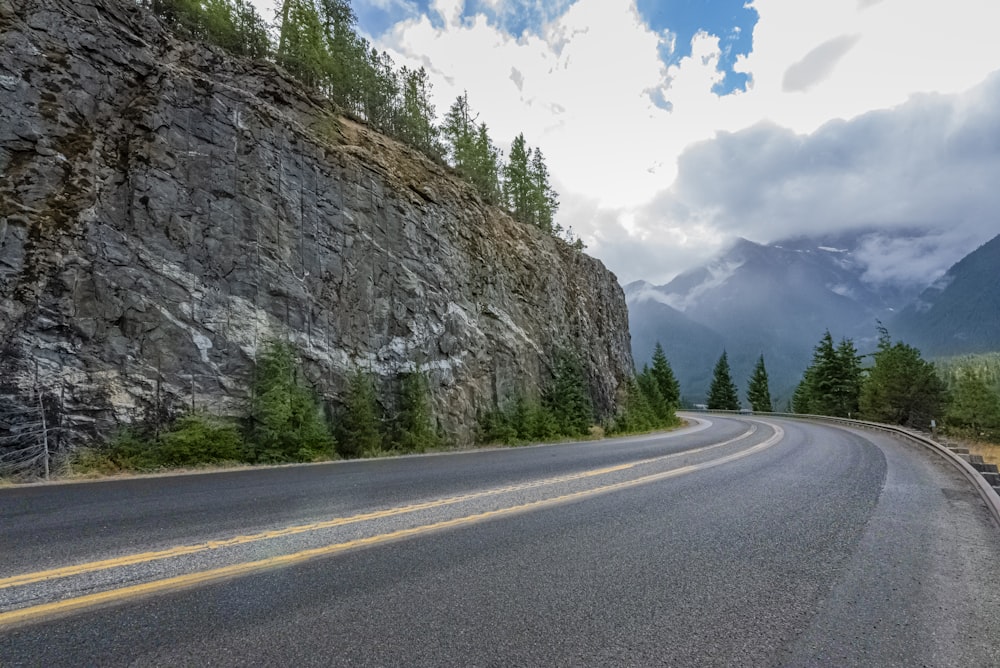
161, 217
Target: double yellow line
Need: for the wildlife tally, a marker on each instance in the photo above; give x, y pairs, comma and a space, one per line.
189, 580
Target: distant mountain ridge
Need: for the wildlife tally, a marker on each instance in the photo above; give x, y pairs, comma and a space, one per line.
778, 299
960, 312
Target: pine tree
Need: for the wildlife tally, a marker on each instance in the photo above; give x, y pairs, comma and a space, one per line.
634, 412
485, 173
901, 388
302, 44
665, 379
380, 91
848, 390
832, 383
345, 72
802, 398
974, 403
414, 425
458, 130
723, 395
546, 202
517, 186
660, 407
415, 124
568, 397
286, 422
758, 392
360, 423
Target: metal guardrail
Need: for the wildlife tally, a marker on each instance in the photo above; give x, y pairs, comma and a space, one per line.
986, 491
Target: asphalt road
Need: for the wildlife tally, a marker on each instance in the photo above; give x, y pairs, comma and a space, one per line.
749, 542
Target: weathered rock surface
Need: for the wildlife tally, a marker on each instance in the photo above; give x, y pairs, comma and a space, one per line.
165, 209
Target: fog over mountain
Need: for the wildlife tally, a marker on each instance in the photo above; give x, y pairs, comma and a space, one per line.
960, 312
915, 185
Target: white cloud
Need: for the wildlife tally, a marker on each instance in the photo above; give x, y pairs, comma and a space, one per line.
582, 88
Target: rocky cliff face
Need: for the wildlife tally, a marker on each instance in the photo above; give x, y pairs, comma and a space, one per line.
164, 210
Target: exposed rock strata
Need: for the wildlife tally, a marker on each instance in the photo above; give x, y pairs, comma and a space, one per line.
164, 210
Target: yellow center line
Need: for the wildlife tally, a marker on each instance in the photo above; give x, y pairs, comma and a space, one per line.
226, 572
183, 550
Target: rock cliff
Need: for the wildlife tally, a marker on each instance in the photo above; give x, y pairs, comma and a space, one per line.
165, 209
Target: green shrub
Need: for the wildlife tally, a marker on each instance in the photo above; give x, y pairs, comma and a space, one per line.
198, 438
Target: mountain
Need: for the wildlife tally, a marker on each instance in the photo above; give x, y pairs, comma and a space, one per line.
775, 300
692, 347
960, 312
166, 209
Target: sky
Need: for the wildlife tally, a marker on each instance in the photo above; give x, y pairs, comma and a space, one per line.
672, 127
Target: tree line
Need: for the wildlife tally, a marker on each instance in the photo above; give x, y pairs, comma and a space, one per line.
646, 402
283, 421
724, 395
897, 387
316, 41
893, 385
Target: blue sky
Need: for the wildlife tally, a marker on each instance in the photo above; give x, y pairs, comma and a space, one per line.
671, 127
730, 20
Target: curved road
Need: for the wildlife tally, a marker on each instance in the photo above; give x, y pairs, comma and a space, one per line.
738, 541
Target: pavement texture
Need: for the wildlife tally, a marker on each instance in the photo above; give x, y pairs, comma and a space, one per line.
823, 546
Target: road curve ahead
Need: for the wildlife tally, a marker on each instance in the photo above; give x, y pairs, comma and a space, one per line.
737, 541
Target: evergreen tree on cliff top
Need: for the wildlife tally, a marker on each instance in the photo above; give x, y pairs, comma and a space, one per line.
758, 392
722, 395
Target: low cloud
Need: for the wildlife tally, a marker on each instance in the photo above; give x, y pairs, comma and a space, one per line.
931, 165
657, 172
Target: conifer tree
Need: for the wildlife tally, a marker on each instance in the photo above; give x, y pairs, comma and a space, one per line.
722, 394
901, 388
665, 379
758, 391
459, 130
634, 412
974, 403
347, 54
660, 407
546, 202
415, 124
302, 44
517, 186
568, 398
360, 423
414, 424
485, 174
286, 422
380, 91
832, 383
801, 399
